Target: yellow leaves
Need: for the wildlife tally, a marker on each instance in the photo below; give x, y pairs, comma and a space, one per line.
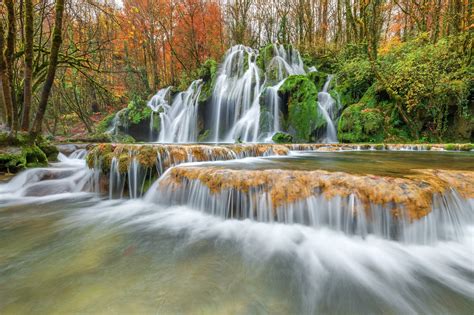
388, 45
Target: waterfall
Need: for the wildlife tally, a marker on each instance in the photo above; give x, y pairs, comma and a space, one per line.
257, 196
69, 175
160, 101
118, 121
235, 100
178, 121
328, 108
241, 94
236, 97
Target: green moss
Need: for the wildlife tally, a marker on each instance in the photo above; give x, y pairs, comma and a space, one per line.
466, 147
124, 163
451, 147
13, 159
105, 123
265, 55
318, 78
50, 150
138, 111
34, 156
281, 137
203, 135
379, 146
146, 156
359, 123
12, 162
303, 116
208, 74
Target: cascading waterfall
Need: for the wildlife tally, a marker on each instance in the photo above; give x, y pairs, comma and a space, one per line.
329, 109
235, 107
178, 121
159, 101
350, 214
236, 97
69, 175
235, 103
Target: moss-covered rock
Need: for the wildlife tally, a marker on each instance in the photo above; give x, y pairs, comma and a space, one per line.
301, 97
14, 159
282, 137
358, 123
318, 78
50, 150
265, 55
208, 74
22, 151
105, 124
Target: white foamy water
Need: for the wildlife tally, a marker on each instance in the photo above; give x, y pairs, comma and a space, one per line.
333, 272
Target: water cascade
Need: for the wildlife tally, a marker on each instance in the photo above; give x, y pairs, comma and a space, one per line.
241, 94
354, 204
69, 175
159, 101
178, 121
329, 109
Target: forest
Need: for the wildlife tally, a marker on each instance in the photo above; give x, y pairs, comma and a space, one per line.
403, 70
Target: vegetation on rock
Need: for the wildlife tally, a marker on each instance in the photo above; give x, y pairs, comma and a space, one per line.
303, 117
281, 137
22, 151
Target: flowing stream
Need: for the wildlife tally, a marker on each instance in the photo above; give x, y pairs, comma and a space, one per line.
69, 247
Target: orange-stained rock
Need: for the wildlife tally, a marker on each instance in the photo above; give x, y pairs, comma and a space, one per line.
413, 193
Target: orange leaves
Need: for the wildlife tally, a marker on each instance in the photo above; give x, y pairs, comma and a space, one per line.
172, 35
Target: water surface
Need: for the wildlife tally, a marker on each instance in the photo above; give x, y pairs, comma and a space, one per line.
74, 252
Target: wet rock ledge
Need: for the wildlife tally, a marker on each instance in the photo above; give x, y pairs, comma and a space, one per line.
410, 197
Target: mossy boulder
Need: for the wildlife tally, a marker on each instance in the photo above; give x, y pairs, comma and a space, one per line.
359, 123
21, 151
301, 97
14, 159
282, 137
131, 124
50, 150
265, 55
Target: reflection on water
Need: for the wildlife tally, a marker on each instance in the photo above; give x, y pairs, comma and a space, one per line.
387, 163
125, 257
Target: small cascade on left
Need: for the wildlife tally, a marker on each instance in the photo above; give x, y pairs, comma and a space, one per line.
68, 177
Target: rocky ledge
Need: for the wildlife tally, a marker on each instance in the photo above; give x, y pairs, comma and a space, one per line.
410, 197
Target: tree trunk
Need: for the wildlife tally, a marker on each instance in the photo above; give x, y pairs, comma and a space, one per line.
53, 62
5, 82
9, 59
28, 64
